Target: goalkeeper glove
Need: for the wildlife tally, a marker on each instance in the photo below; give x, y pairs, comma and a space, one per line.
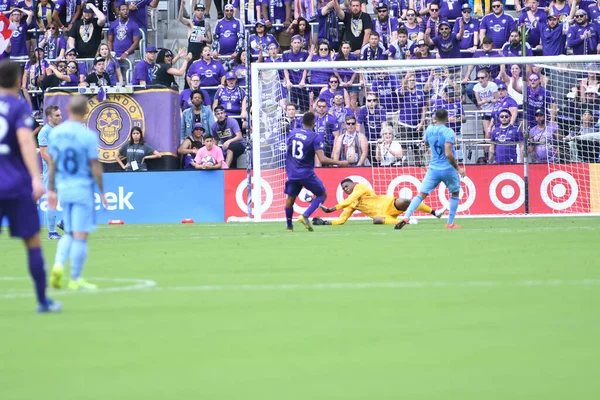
327, 210
318, 221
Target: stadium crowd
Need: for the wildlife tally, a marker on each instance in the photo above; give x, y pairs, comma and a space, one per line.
365, 119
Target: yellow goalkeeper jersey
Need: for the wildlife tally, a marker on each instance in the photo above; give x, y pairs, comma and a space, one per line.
365, 200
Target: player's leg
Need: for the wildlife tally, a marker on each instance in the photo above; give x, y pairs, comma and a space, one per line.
63, 249
50, 216
403, 204
292, 190
316, 186
452, 181
82, 224
430, 182
24, 223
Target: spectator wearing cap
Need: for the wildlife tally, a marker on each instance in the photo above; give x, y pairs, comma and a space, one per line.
514, 47
199, 112
166, 72
53, 42
191, 144
211, 152
507, 141
65, 13
497, 25
398, 8
553, 39
531, 16
487, 50
228, 39
591, 101
210, 71
138, 11
185, 101
199, 30
357, 24
446, 42
228, 135
385, 25
111, 65
538, 97
124, 39
136, 152
259, 41
583, 36
295, 79
411, 25
99, 76
86, 33
71, 55
277, 13
503, 102
145, 70
233, 99
18, 40
543, 139
374, 50
470, 39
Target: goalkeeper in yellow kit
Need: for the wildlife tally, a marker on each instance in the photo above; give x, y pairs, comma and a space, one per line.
383, 209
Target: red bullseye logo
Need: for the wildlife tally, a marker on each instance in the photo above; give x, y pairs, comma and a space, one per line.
404, 186
467, 194
507, 191
559, 190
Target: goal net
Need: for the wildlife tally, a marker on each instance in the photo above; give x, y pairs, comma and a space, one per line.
527, 130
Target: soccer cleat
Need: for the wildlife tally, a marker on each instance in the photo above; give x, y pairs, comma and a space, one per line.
61, 225
81, 284
53, 236
56, 276
289, 229
51, 306
404, 221
306, 223
452, 226
439, 213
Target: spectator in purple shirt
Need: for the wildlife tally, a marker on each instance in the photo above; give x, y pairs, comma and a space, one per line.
229, 137
411, 25
544, 139
385, 25
211, 72
295, 79
470, 39
531, 16
277, 12
185, 100
552, 36
446, 42
329, 25
53, 42
333, 88
583, 36
138, 10
371, 117
505, 139
18, 39
497, 25
374, 50
144, 71
124, 38
347, 77
320, 77
514, 47
70, 78
228, 38
65, 13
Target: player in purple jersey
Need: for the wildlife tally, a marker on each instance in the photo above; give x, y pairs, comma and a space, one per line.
302, 146
20, 178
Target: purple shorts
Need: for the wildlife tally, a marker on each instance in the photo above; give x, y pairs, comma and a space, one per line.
312, 183
22, 216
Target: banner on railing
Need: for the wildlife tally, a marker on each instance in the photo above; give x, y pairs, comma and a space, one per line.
156, 111
486, 190
158, 197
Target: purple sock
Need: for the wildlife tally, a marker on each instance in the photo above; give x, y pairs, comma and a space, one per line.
38, 273
317, 201
289, 212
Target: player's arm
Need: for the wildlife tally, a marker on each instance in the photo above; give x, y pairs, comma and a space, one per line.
341, 220
44, 153
324, 160
29, 154
451, 159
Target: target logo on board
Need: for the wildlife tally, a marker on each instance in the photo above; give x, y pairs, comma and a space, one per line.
407, 185
559, 190
466, 195
507, 191
265, 190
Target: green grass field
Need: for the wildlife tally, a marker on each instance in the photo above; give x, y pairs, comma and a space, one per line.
502, 309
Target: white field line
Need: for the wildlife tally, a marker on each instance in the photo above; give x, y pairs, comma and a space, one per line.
134, 284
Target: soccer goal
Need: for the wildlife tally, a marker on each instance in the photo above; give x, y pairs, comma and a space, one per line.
527, 131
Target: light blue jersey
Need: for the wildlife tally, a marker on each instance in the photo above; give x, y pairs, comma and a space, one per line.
43, 142
437, 136
72, 146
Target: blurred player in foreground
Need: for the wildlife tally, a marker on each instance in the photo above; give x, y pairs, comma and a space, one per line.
303, 145
383, 209
20, 180
443, 167
73, 168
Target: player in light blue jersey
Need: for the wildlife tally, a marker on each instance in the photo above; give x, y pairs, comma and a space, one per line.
54, 116
72, 170
443, 167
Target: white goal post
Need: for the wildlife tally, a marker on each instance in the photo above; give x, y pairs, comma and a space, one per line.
546, 169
